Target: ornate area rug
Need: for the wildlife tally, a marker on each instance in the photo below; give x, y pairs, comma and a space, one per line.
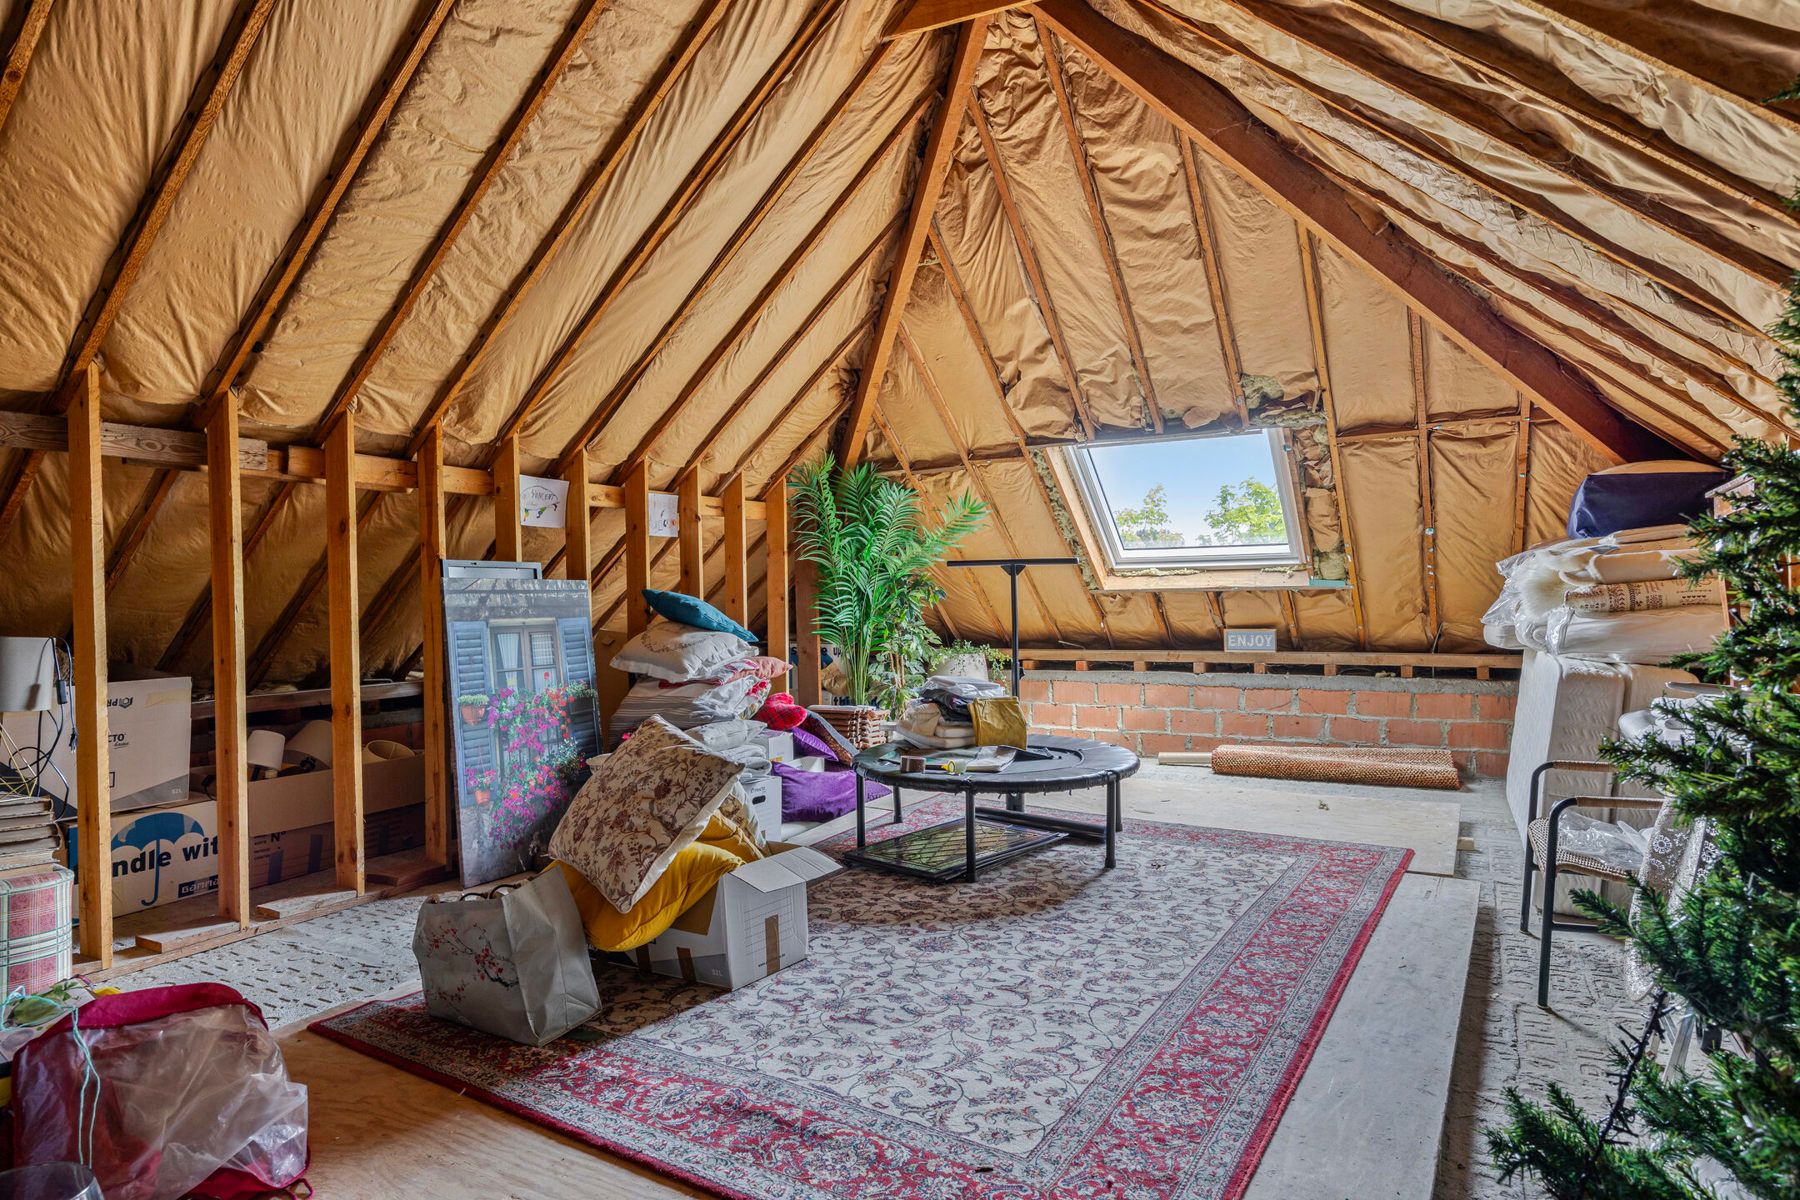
1054, 1030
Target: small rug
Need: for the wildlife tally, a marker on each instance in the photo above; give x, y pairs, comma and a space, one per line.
1054, 1030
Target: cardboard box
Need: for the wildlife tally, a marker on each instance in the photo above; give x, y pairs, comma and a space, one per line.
764, 797
752, 923
780, 744
150, 719
171, 853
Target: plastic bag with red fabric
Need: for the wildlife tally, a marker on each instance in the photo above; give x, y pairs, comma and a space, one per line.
163, 1092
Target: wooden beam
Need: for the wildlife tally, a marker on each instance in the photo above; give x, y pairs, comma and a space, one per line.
693, 560
346, 653
31, 21
922, 16
809, 653
87, 566
1034, 270
1315, 314
140, 445
796, 167
1522, 478
1428, 528
137, 526
777, 575
1201, 212
1103, 240
230, 693
637, 548
1209, 115
433, 544
509, 516
939, 149
737, 550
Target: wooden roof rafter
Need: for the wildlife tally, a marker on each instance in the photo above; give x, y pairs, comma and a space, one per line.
29, 22
1109, 255
1209, 115
1208, 239
934, 168
922, 16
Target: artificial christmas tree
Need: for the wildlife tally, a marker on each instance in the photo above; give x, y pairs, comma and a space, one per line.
1729, 949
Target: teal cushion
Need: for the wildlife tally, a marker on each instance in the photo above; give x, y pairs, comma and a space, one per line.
691, 610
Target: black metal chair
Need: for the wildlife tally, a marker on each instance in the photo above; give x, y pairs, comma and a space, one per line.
1543, 853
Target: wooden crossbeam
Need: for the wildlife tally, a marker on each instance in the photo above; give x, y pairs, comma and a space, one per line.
1103, 239
1209, 115
922, 16
940, 147
1034, 270
31, 20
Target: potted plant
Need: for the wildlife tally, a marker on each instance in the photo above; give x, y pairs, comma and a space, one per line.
966, 660
474, 707
872, 551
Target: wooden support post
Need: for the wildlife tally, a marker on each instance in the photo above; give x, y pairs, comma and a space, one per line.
737, 554
87, 575
637, 549
432, 540
775, 579
346, 651
509, 534
810, 660
687, 526
230, 693
578, 548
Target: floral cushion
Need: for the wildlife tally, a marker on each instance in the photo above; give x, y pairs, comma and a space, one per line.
646, 803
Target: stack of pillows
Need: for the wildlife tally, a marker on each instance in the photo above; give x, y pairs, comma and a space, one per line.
699, 667
654, 828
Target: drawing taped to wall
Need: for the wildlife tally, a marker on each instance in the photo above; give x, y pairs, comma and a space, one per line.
521, 670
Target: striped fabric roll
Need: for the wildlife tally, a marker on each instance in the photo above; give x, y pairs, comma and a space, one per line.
36, 935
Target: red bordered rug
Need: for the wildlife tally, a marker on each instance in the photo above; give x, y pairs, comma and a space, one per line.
1054, 1030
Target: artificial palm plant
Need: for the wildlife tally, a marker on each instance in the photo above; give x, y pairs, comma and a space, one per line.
871, 547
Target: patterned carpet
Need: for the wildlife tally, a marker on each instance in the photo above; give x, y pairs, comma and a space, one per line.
1055, 1030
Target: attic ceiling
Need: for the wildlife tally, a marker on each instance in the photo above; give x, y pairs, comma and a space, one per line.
664, 231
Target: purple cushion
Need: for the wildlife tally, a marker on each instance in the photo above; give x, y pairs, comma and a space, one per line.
819, 795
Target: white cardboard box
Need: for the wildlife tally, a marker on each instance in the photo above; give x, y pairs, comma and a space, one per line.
781, 745
166, 854
752, 923
763, 794
149, 719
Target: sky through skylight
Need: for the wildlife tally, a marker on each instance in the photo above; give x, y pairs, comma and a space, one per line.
1191, 471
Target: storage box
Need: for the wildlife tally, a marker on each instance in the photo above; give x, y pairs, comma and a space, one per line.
168, 854
780, 743
149, 717
764, 797
752, 923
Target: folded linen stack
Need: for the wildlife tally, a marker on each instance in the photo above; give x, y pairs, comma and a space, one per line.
1619, 598
924, 725
701, 667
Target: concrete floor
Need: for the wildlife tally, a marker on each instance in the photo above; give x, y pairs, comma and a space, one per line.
1505, 1039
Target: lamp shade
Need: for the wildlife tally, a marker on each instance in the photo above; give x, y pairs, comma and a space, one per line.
312, 740
27, 674
266, 748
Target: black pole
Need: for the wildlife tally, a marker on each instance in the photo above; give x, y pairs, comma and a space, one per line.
1013, 567
1012, 574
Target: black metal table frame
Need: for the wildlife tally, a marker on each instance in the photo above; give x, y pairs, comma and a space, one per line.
1014, 813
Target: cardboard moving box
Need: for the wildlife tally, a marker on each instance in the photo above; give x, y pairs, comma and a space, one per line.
149, 725
752, 923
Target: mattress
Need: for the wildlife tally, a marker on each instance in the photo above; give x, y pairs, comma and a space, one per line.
1566, 707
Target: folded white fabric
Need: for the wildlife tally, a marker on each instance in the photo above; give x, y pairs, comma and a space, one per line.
922, 741
685, 705
726, 735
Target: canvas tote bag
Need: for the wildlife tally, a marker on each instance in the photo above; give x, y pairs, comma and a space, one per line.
512, 962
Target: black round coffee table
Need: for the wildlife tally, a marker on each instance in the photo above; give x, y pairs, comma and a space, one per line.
1068, 763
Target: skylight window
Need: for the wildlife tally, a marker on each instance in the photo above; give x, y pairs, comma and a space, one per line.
1191, 502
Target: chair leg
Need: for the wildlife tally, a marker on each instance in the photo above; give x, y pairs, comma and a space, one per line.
1525, 889
1549, 924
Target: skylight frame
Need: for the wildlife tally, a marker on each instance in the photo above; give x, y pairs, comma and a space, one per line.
1099, 512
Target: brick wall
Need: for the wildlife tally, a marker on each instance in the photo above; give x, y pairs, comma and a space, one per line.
1153, 711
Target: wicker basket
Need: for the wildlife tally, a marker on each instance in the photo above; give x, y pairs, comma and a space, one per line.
860, 724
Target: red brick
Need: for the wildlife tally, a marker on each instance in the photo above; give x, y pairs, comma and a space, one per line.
1157, 743
1493, 766
1312, 701
1117, 737
1034, 689
1383, 704
1243, 725
1060, 716
1096, 716
1480, 735
1169, 696
1070, 691
1188, 720
1205, 744
1147, 720
1216, 697
1120, 693
1443, 706
1415, 733
1293, 728
1354, 731
1496, 708
1269, 699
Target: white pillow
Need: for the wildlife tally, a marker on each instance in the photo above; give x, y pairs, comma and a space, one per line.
677, 653
727, 735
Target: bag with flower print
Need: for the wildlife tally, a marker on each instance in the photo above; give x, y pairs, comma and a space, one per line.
512, 962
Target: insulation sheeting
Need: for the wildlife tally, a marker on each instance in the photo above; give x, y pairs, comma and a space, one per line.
1382, 494
1368, 347
1474, 481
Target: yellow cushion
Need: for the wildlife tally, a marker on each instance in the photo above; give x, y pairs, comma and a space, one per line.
728, 837
689, 877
